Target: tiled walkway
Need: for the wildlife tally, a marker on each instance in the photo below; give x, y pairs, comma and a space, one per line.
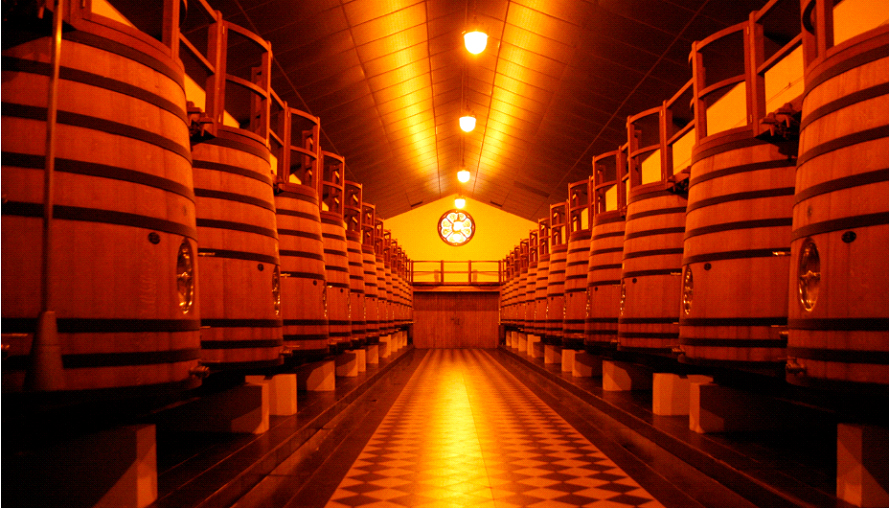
465, 432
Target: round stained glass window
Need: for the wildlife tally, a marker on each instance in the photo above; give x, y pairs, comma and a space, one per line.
456, 227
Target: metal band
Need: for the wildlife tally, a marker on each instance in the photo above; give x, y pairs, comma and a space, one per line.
301, 254
298, 196
652, 273
847, 64
745, 168
733, 343
576, 290
767, 321
653, 252
858, 221
305, 275
236, 254
608, 235
300, 234
76, 167
843, 324
305, 322
91, 325
844, 102
847, 182
15, 208
840, 355
741, 196
338, 285
80, 76
251, 148
334, 268
635, 198
641, 335
333, 221
737, 144
602, 320
737, 254
237, 226
234, 170
305, 337
654, 232
648, 321
240, 344
848, 140
599, 220
99, 360
606, 251
231, 196
301, 215
604, 283
117, 48
655, 213
100, 125
735, 226
573, 321
241, 323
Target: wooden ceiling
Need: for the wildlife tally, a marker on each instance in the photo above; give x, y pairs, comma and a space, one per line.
390, 78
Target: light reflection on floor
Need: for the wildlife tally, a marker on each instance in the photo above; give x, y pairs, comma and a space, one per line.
464, 432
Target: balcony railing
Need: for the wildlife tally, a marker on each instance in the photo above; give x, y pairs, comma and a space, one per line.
456, 273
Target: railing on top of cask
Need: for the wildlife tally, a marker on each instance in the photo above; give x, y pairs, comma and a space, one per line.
606, 249
134, 259
538, 326
577, 263
372, 289
655, 224
531, 283
352, 212
387, 276
395, 269
839, 272
336, 255
294, 142
737, 238
522, 286
235, 206
555, 286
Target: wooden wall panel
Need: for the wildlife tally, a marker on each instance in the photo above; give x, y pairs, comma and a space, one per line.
455, 320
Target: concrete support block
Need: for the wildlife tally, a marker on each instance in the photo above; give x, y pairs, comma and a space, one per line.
242, 409
385, 346
586, 365
862, 468
282, 393
538, 350
373, 354
508, 334
568, 359
362, 359
522, 342
317, 377
552, 354
623, 376
715, 408
670, 393
112, 468
347, 364
533, 340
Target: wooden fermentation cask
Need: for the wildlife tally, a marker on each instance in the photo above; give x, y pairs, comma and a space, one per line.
540, 284
839, 269
384, 302
336, 263
555, 294
303, 279
356, 288
652, 269
238, 252
736, 246
530, 295
371, 293
124, 252
576, 266
603, 279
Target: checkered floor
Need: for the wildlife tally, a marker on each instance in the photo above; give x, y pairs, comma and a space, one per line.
465, 432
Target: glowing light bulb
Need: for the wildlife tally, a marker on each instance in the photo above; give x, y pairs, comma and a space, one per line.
459, 203
467, 123
463, 176
475, 41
